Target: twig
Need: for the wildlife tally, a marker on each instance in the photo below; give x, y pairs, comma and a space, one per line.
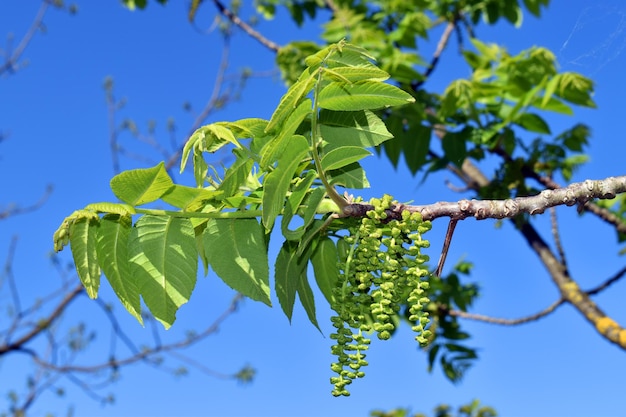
446, 246
441, 45
23, 210
43, 323
11, 60
557, 236
144, 354
508, 322
210, 104
245, 27
619, 275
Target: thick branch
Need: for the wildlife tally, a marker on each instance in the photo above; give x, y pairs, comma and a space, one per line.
576, 193
570, 290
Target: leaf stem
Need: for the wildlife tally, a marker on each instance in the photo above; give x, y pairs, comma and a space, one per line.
246, 214
316, 140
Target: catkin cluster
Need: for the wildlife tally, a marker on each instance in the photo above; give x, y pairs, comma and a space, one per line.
381, 269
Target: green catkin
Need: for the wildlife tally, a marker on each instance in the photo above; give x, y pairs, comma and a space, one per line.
382, 270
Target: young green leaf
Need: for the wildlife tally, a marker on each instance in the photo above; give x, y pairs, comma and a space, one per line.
340, 157
112, 249
189, 198
141, 186
305, 294
114, 208
274, 148
350, 176
237, 252
359, 128
355, 74
324, 261
288, 269
293, 204
83, 234
367, 95
164, 262
290, 101
277, 182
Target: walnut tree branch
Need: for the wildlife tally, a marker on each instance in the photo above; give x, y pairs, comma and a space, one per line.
575, 193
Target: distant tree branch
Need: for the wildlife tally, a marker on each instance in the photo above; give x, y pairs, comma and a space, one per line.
441, 45
15, 210
508, 322
13, 56
245, 27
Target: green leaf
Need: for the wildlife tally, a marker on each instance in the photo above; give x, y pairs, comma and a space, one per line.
115, 208
189, 198
277, 182
237, 252
533, 123
83, 234
164, 261
368, 95
290, 101
141, 186
416, 145
340, 157
275, 147
305, 294
288, 269
324, 261
362, 128
454, 146
236, 175
112, 249
356, 74
350, 176
293, 205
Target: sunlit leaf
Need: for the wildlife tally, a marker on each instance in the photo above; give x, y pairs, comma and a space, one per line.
164, 262
367, 95
277, 182
325, 260
112, 249
141, 186
340, 157
83, 234
237, 252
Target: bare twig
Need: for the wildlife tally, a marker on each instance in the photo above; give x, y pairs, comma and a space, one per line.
245, 27
441, 45
145, 353
619, 275
508, 322
43, 323
557, 236
446, 246
13, 211
12, 58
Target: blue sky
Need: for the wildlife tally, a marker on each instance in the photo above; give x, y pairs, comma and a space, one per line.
55, 113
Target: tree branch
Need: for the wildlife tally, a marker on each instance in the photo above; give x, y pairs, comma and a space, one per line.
575, 193
508, 322
274, 47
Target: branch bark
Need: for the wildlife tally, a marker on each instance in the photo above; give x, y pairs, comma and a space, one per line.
575, 193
